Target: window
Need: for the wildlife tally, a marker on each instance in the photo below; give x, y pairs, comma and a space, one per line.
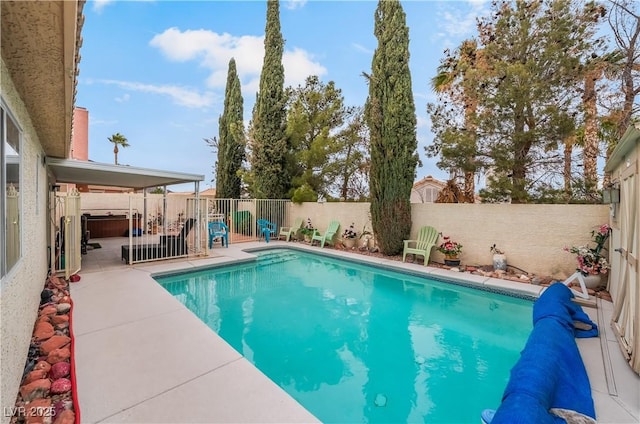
11, 212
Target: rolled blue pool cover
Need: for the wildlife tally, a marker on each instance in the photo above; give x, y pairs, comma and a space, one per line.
550, 372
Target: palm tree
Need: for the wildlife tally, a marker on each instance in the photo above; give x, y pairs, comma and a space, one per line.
118, 140
608, 66
461, 65
591, 139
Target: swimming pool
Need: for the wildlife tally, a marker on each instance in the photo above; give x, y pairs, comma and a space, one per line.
356, 343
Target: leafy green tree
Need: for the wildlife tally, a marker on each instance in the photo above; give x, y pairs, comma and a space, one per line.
351, 164
315, 115
391, 118
304, 193
624, 21
268, 138
231, 142
533, 55
118, 140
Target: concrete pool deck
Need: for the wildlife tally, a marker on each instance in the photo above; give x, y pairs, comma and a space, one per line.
142, 357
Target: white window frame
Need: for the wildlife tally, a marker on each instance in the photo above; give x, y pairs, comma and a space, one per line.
5, 114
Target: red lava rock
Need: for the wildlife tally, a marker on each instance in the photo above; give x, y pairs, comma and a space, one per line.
43, 318
65, 417
60, 406
57, 283
40, 400
48, 310
62, 327
43, 365
43, 331
39, 411
59, 319
34, 375
61, 385
37, 389
58, 355
59, 370
53, 343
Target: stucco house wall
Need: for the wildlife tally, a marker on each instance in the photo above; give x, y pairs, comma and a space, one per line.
618, 168
20, 288
624, 169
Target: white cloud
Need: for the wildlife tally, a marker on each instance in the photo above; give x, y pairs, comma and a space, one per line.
251, 87
213, 51
123, 99
478, 4
180, 95
98, 5
298, 65
460, 22
294, 4
422, 121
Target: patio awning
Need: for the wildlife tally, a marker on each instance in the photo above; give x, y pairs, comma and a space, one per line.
94, 173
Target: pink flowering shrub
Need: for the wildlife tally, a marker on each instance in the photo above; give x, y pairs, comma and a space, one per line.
450, 247
590, 260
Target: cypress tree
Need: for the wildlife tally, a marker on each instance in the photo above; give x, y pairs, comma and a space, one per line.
231, 138
391, 117
269, 141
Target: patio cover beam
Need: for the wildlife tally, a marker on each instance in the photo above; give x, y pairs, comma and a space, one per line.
94, 173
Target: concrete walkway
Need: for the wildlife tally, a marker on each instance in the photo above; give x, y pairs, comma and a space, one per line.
142, 357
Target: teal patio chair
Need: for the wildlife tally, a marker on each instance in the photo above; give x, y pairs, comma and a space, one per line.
422, 245
287, 232
266, 229
218, 230
328, 235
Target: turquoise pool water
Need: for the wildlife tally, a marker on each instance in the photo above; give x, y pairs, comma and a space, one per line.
354, 343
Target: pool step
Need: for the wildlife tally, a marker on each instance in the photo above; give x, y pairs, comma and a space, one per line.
275, 258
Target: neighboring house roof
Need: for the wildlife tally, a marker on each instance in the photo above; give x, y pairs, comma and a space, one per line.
426, 190
49, 31
208, 192
429, 181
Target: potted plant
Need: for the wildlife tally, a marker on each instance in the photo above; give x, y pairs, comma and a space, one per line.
451, 250
591, 264
349, 237
307, 231
499, 258
368, 242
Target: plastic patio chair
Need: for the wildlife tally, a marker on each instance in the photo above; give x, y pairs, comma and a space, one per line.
427, 238
328, 235
287, 232
219, 230
266, 229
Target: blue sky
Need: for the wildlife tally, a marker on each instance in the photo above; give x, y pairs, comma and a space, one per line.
155, 71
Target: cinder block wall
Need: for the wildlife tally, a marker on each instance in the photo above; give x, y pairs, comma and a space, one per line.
532, 236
